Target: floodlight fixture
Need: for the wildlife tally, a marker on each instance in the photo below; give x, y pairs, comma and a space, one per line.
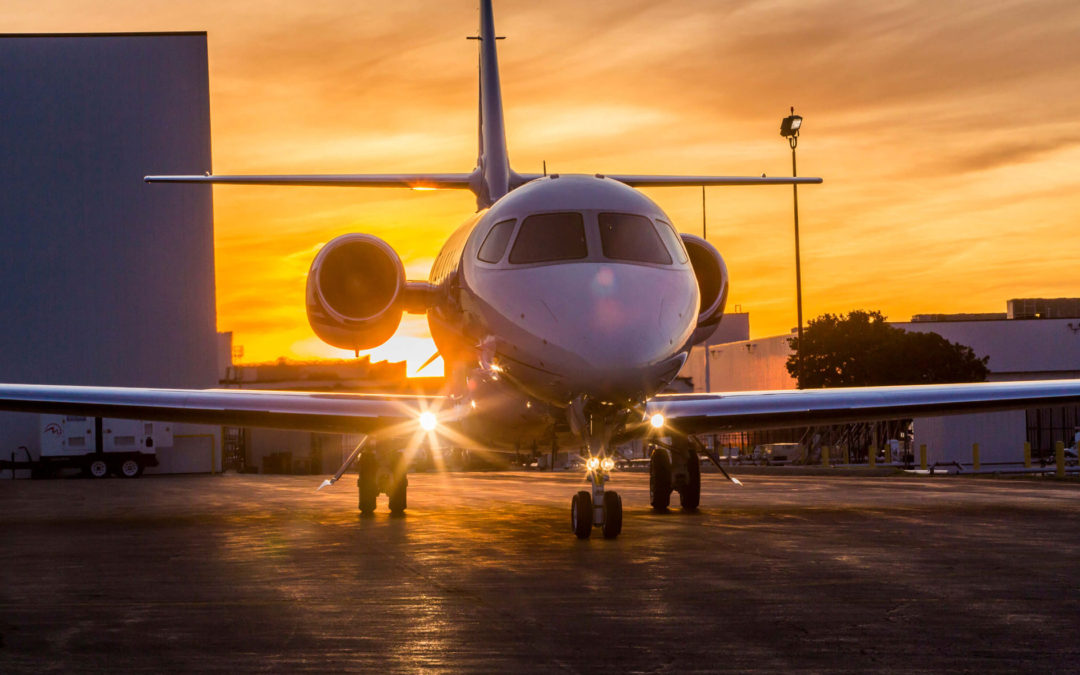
789, 127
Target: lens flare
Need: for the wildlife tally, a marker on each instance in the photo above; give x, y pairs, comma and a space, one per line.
428, 421
593, 463
608, 464
657, 421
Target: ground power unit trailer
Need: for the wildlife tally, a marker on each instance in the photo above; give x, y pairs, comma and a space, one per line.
97, 446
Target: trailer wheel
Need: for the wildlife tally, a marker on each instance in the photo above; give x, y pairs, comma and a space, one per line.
130, 468
96, 468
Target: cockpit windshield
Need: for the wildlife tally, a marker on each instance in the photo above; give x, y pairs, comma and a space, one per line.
495, 243
626, 236
673, 240
549, 237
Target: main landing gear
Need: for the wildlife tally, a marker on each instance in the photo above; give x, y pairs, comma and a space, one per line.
379, 473
674, 468
597, 508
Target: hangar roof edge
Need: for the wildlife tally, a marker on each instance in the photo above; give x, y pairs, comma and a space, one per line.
86, 35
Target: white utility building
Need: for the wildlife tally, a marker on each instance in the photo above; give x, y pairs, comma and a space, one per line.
1036, 339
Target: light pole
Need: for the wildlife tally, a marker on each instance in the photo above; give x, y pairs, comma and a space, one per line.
789, 128
705, 236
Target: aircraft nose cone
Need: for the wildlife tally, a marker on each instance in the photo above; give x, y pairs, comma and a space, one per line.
622, 324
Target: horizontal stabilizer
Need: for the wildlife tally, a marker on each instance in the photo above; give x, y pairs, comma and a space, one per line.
433, 181
694, 181
686, 181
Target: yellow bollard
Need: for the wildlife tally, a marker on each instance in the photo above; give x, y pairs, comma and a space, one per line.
1059, 457
922, 456
1027, 455
825, 455
975, 464
872, 456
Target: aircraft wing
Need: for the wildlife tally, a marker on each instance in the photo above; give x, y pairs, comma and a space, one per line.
303, 411
431, 181
744, 410
691, 181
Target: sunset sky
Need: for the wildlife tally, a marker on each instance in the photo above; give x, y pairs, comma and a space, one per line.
948, 135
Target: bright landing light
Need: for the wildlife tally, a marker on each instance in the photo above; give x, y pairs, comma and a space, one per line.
428, 422
657, 421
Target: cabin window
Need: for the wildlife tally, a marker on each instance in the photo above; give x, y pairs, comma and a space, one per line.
549, 237
673, 240
495, 243
626, 236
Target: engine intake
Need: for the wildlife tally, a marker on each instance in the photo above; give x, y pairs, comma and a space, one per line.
712, 279
354, 292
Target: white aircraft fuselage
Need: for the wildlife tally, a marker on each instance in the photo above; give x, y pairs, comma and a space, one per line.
592, 327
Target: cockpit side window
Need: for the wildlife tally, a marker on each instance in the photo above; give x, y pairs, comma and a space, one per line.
495, 242
627, 236
673, 240
549, 237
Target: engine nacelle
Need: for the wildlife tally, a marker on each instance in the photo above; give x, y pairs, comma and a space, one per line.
712, 279
354, 292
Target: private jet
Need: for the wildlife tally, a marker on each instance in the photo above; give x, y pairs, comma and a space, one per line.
562, 308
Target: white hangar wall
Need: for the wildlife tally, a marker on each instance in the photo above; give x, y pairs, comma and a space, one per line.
107, 280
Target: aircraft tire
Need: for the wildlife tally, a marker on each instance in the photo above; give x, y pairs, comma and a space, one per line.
612, 515
660, 480
581, 512
690, 494
365, 482
398, 496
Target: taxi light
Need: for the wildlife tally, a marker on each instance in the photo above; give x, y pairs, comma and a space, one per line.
608, 464
428, 421
593, 463
657, 421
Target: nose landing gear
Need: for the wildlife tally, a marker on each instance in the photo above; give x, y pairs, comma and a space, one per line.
597, 508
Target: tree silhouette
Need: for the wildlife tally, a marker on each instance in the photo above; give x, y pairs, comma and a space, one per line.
861, 350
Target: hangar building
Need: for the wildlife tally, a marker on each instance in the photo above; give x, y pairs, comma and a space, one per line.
106, 280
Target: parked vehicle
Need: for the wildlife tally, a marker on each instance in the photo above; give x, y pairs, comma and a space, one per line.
775, 454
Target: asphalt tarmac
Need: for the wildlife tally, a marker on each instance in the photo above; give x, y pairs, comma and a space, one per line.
261, 573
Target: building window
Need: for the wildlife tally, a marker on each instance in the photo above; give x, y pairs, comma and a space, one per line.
1047, 426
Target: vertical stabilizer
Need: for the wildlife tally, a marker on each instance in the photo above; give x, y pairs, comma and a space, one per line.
493, 163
